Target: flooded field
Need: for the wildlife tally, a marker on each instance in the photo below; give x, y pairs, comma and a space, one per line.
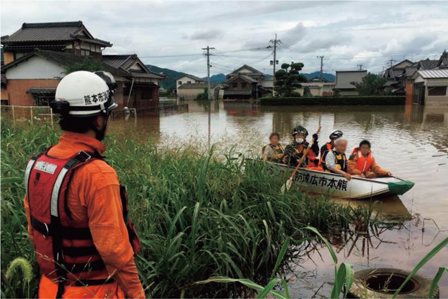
411, 142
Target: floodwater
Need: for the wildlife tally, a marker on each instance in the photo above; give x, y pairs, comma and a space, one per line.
411, 142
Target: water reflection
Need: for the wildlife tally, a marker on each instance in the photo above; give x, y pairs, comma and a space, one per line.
410, 141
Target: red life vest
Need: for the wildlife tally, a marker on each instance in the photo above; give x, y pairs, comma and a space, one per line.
363, 164
64, 248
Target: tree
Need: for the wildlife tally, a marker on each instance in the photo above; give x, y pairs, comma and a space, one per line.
86, 64
371, 84
288, 78
307, 92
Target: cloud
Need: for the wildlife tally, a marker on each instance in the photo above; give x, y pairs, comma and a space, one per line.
207, 35
325, 43
293, 35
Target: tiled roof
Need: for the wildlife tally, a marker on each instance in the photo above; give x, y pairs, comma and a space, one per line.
434, 74
244, 77
254, 71
47, 32
443, 60
41, 90
409, 71
126, 61
63, 59
427, 64
192, 77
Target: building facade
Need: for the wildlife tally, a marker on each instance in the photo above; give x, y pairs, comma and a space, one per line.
344, 80
430, 87
187, 79
244, 83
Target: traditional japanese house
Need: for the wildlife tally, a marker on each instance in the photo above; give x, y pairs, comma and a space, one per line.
244, 83
142, 89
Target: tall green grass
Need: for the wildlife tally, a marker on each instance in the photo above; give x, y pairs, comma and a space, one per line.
198, 215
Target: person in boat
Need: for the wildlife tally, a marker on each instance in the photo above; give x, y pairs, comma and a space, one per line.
335, 159
362, 163
334, 135
273, 152
297, 148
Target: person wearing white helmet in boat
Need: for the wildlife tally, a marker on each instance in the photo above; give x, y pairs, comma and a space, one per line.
335, 134
336, 161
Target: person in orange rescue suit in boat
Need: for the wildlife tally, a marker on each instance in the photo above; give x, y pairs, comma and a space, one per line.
336, 161
335, 134
297, 148
362, 163
78, 215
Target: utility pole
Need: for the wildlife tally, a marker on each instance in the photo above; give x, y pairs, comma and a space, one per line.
391, 61
321, 67
360, 66
274, 62
208, 70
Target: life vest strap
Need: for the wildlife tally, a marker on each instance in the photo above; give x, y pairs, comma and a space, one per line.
68, 233
80, 251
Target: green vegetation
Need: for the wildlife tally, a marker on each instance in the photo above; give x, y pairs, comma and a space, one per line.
333, 101
370, 84
199, 216
288, 78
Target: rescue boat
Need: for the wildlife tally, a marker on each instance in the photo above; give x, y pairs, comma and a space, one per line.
335, 185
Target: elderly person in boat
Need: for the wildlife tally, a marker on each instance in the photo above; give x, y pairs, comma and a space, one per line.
336, 161
273, 152
362, 163
334, 135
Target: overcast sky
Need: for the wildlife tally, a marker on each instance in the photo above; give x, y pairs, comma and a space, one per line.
346, 33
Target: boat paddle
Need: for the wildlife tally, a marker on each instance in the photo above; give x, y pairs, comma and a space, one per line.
288, 183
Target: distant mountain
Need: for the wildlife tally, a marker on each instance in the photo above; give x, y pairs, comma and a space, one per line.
173, 75
171, 78
329, 77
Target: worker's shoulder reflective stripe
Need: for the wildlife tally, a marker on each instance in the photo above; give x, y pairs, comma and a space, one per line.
55, 193
29, 167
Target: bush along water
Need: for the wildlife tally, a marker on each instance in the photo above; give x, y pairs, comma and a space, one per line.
198, 215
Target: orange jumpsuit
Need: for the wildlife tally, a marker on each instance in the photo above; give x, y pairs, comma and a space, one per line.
94, 195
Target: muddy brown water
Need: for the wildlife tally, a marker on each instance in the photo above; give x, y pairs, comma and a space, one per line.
411, 142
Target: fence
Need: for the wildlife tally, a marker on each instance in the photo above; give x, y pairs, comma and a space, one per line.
28, 113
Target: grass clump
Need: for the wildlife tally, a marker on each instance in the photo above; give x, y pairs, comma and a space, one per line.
198, 215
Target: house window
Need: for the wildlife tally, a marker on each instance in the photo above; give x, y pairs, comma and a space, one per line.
235, 84
243, 84
43, 100
85, 53
437, 91
188, 82
180, 83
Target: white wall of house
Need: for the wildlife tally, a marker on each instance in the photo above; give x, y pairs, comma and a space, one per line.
189, 94
36, 68
184, 80
345, 78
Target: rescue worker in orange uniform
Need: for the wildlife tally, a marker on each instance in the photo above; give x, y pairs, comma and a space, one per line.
335, 134
78, 217
363, 164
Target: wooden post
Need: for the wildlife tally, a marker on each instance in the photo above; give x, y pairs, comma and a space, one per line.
51, 116
13, 115
31, 109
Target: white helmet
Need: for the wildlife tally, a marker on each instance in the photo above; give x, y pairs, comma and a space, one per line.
84, 94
